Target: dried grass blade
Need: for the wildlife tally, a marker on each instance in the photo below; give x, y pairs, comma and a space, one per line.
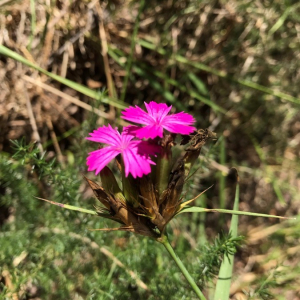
70, 207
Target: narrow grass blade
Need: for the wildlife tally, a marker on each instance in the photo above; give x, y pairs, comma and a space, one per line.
228, 211
77, 87
222, 177
243, 82
70, 207
151, 46
221, 74
133, 42
191, 92
225, 274
282, 18
157, 86
199, 84
151, 75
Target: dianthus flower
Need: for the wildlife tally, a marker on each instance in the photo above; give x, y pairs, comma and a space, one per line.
135, 153
156, 119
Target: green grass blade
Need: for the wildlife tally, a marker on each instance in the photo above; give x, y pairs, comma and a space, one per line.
243, 82
195, 209
225, 274
282, 19
158, 87
77, 87
151, 46
221, 74
133, 42
222, 177
70, 207
144, 71
199, 84
191, 92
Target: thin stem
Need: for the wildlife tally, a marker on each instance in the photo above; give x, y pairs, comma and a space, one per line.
165, 241
163, 170
129, 188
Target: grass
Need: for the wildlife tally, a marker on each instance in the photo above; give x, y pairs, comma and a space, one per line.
233, 65
223, 285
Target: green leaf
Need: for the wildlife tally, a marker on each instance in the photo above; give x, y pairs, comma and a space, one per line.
225, 274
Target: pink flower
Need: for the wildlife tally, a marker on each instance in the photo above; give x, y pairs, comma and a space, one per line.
135, 153
157, 119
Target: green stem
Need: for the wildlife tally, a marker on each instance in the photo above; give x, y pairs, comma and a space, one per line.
129, 188
162, 171
165, 241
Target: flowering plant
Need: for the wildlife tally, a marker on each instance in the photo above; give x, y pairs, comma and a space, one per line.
151, 193
153, 180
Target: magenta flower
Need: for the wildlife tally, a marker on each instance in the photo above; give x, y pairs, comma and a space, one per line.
156, 119
135, 153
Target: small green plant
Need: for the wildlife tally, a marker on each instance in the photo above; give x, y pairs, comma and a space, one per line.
150, 197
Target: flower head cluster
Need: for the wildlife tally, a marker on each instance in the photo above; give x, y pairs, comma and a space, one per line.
145, 205
134, 151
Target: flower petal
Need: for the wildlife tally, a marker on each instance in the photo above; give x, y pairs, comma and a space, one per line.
137, 115
128, 134
98, 159
131, 130
136, 158
179, 123
150, 132
146, 148
158, 119
135, 164
157, 110
106, 135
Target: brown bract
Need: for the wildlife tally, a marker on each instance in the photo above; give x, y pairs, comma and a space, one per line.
120, 212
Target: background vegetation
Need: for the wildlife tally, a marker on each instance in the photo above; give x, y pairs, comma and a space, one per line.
233, 64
